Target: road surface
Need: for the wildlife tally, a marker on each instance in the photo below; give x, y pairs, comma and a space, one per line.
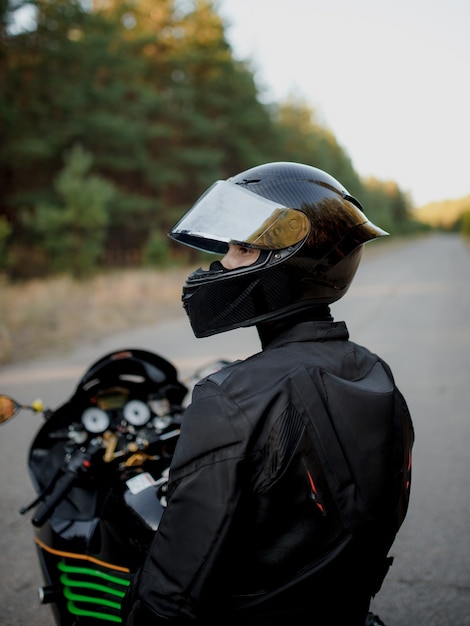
410, 302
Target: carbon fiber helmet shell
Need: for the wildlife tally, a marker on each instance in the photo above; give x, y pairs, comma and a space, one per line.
316, 269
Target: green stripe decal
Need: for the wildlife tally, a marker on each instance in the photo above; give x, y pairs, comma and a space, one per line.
93, 593
82, 612
70, 595
69, 582
87, 571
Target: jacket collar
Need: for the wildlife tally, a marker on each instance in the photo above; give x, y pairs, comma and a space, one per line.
308, 331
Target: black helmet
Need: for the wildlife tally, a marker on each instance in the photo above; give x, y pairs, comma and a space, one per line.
309, 229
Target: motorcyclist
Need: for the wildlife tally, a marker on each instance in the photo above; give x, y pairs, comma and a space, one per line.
290, 478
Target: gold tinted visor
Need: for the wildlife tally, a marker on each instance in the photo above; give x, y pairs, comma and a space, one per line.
226, 213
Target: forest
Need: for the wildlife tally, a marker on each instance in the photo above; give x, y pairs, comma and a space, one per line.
115, 116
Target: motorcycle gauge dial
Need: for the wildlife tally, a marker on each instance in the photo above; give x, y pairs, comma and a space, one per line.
95, 420
160, 423
136, 413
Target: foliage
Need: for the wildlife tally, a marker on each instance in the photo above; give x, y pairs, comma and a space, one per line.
5, 231
152, 93
72, 233
156, 252
304, 139
389, 206
463, 223
446, 215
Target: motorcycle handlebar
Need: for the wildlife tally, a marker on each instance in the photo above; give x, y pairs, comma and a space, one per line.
61, 489
64, 483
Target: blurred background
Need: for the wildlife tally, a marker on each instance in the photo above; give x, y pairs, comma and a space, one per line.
115, 116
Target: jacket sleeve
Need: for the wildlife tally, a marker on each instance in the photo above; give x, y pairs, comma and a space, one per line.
203, 493
140, 614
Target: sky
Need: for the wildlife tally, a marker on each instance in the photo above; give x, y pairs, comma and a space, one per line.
391, 80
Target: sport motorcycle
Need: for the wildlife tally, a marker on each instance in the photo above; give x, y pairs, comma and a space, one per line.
99, 464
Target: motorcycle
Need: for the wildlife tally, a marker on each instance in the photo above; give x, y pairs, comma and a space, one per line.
99, 465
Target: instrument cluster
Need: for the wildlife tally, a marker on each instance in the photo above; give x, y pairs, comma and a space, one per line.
115, 410
136, 413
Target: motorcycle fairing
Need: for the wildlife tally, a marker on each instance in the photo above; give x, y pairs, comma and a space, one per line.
93, 589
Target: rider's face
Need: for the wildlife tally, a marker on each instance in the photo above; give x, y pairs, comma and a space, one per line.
239, 256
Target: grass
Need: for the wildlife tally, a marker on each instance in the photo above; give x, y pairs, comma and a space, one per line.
57, 313
54, 315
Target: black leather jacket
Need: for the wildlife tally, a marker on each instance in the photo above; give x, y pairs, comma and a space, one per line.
252, 533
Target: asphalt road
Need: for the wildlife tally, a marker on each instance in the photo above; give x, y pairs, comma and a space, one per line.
410, 303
